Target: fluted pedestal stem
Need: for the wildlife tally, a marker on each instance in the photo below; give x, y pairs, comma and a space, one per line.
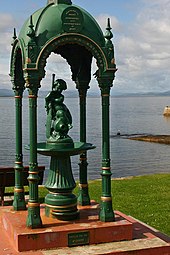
60, 202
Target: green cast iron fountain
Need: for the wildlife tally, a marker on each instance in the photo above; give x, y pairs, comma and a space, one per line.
65, 29
60, 201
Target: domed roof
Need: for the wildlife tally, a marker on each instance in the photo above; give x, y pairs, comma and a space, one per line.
60, 17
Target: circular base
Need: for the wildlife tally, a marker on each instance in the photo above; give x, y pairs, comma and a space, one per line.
61, 206
64, 216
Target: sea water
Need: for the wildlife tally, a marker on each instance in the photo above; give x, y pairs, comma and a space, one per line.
129, 115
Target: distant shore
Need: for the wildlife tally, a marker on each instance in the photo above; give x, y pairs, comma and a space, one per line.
165, 139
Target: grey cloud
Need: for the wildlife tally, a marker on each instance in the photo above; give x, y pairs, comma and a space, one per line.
6, 22
143, 52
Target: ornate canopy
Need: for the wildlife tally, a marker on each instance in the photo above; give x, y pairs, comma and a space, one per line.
66, 29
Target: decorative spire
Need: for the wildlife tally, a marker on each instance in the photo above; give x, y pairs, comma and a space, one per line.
59, 2
108, 33
14, 37
31, 32
109, 45
32, 49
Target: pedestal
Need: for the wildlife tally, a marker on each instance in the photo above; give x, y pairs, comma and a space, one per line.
60, 202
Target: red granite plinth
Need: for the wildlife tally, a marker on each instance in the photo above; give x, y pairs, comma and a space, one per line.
141, 239
54, 233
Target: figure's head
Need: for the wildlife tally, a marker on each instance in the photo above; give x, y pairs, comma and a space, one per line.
60, 85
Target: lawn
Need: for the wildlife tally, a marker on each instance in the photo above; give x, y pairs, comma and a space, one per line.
146, 198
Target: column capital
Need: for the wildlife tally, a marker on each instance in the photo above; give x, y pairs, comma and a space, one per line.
82, 87
105, 85
32, 82
18, 88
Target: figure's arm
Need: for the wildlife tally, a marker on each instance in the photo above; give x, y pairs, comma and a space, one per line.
48, 100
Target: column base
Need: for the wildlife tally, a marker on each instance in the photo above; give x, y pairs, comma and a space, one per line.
83, 197
106, 213
19, 201
33, 218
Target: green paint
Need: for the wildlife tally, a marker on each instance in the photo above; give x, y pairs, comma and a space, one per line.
72, 20
60, 202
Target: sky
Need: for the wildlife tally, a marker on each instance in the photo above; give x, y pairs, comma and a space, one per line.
141, 30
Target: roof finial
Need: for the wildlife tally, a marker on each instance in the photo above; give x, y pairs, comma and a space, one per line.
31, 32
108, 44
59, 2
14, 37
108, 33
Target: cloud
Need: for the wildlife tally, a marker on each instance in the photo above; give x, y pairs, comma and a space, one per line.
6, 28
6, 21
143, 52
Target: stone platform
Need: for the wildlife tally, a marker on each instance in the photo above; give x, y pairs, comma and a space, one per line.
84, 236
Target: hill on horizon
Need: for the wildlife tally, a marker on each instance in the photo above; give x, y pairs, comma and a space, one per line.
74, 93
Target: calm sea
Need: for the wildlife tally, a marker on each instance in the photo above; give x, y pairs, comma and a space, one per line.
130, 115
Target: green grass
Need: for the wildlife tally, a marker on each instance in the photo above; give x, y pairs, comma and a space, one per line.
146, 198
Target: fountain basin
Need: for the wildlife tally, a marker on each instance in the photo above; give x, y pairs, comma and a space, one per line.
61, 149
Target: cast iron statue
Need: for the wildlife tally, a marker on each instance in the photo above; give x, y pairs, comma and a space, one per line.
59, 119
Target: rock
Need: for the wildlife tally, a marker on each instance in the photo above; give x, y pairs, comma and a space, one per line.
167, 111
165, 139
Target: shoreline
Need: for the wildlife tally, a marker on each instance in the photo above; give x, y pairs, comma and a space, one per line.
164, 139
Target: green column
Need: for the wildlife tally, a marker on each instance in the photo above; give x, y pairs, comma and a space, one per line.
106, 210
83, 197
33, 219
19, 198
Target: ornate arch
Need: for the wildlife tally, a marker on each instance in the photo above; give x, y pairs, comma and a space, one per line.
97, 52
16, 67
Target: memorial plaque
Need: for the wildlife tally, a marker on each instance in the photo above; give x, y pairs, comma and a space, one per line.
72, 20
78, 238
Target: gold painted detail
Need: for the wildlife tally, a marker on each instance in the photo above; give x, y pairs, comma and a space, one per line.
54, 193
32, 180
83, 185
106, 199
32, 96
83, 159
17, 96
33, 204
63, 210
106, 168
18, 190
57, 207
113, 61
28, 60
